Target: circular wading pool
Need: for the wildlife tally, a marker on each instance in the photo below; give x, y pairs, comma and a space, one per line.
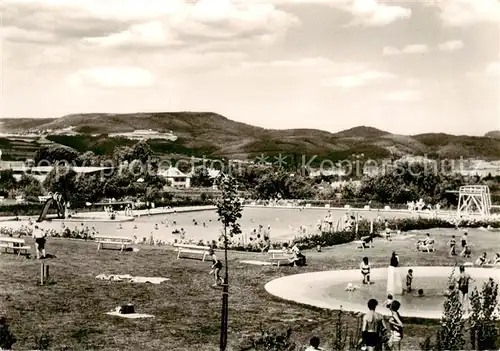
327, 289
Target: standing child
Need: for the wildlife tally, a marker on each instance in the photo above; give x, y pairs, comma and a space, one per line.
365, 270
396, 327
409, 279
453, 243
216, 267
464, 243
467, 252
40, 238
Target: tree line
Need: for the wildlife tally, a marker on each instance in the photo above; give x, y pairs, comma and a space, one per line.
135, 175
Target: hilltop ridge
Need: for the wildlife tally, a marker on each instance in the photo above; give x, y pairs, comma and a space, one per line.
215, 135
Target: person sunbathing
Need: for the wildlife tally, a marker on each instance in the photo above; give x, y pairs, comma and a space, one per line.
496, 261
482, 260
425, 244
294, 256
366, 241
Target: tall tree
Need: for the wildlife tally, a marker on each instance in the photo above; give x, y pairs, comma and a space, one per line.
201, 178
48, 155
229, 209
30, 186
142, 152
7, 181
62, 180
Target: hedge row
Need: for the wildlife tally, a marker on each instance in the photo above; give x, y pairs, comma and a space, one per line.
34, 209
325, 239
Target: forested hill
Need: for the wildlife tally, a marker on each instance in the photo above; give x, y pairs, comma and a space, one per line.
211, 134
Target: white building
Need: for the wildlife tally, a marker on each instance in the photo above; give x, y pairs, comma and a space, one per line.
19, 168
327, 173
144, 134
176, 178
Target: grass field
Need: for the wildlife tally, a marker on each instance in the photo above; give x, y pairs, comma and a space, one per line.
71, 309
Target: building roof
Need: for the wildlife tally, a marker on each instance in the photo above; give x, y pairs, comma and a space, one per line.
172, 172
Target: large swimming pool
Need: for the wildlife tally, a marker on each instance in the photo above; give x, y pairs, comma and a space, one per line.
284, 222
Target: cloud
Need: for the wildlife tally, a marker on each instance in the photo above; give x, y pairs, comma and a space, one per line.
112, 77
408, 49
307, 68
493, 69
317, 72
150, 34
390, 51
403, 95
306, 62
189, 61
358, 79
135, 23
415, 49
458, 13
451, 45
14, 34
371, 13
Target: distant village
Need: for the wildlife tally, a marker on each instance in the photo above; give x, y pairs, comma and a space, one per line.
178, 179
138, 134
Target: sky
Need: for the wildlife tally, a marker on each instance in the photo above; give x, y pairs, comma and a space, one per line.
406, 67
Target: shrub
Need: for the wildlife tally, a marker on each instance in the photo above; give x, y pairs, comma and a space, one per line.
342, 337
427, 344
325, 239
450, 334
274, 341
483, 320
43, 341
7, 339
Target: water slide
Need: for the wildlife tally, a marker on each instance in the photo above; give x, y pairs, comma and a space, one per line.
45, 209
48, 203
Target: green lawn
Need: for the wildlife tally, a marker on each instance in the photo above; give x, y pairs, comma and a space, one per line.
187, 309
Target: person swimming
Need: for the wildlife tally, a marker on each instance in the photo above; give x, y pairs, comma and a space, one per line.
389, 301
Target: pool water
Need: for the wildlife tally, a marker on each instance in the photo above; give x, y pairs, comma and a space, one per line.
284, 223
433, 299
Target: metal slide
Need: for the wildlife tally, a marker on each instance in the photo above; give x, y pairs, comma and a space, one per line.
45, 209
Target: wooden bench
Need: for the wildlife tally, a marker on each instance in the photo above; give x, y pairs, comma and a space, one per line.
278, 256
192, 249
114, 241
17, 245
